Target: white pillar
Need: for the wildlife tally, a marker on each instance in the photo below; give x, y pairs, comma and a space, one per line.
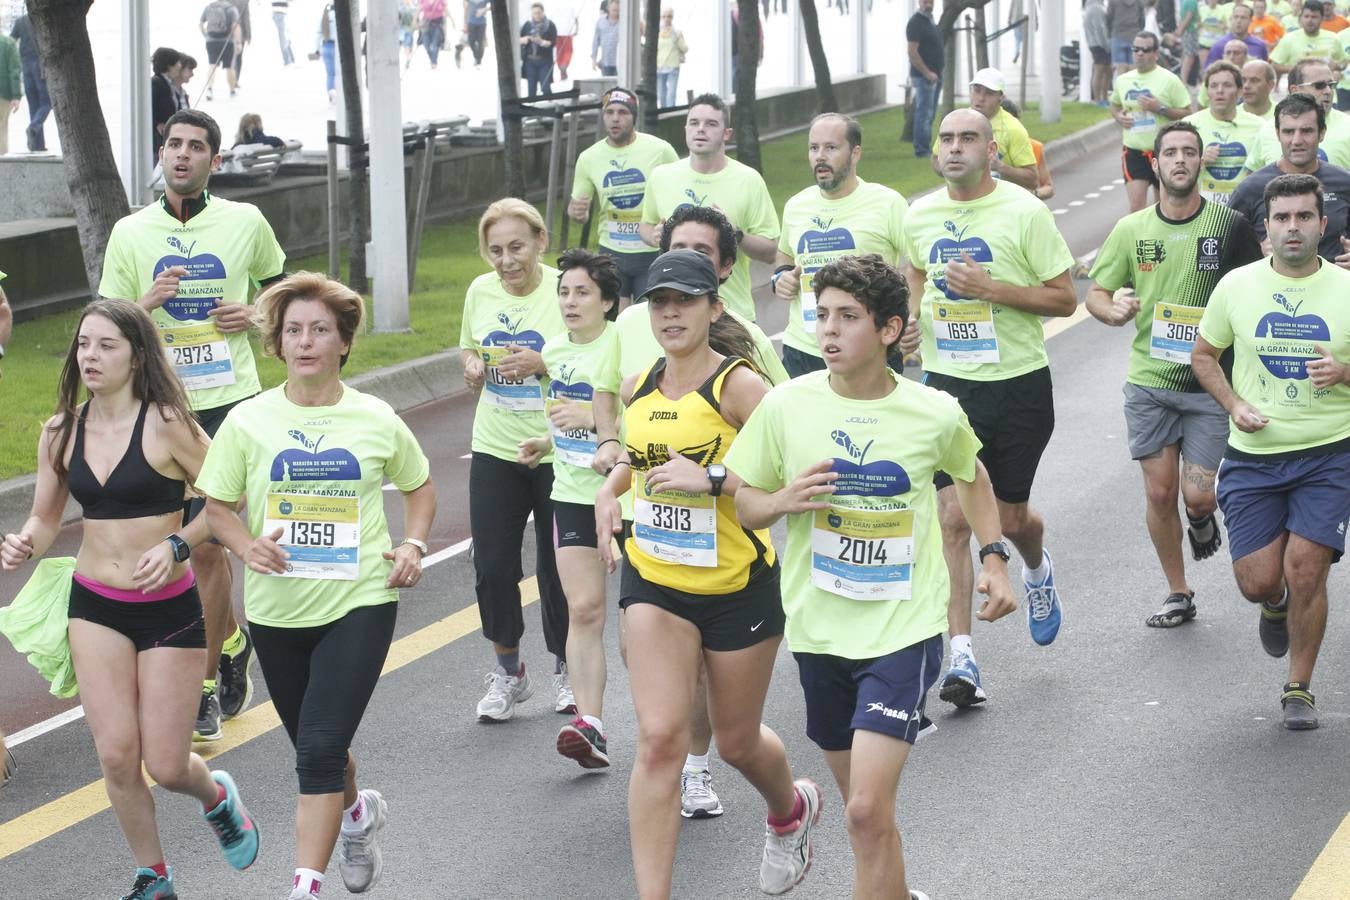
136, 166
630, 46
387, 254
1049, 30
860, 35
723, 68
799, 55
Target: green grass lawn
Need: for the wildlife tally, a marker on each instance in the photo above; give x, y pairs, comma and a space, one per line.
449, 261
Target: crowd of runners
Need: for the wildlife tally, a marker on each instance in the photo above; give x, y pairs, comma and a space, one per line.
630, 405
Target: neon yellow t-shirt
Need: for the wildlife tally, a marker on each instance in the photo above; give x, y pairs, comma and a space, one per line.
317, 473
227, 248
1014, 144
578, 372
619, 175
1334, 148
509, 409
1235, 140
1013, 235
1343, 39
1273, 322
738, 190
1213, 23
817, 231
866, 577
1296, 45
1156, 82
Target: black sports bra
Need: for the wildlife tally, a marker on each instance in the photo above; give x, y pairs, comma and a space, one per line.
133, 490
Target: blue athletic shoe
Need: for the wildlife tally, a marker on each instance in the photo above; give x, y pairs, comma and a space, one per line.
961, 685
152, 886
233, 825
1044, 614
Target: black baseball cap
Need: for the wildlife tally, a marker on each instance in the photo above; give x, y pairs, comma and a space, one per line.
686, 271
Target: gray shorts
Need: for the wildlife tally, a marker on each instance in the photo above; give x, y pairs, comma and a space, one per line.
633, 269
1190, 42
1156, 418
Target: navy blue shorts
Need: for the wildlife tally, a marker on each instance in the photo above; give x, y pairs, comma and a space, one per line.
1308, 496
885, 695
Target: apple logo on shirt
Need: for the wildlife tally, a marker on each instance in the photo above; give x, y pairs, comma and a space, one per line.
563, 387
824, 239
530, 339
1231, 156
621, 178
859, 478
946, 249
1289, 326
194, 300
311, 464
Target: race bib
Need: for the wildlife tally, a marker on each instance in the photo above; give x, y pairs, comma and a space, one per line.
1174, 331
863, 554
1143, 122
1220, 197
321, 534
965, 332
675, 526
808, 307
515, 394
575, 447
199, 355
622, 228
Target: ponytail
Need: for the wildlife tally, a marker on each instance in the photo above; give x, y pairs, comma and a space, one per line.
729, 337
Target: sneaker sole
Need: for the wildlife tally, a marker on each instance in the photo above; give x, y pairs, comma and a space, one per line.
573, 745
1300, 724
488, 719
568, 710
207, 738
961, 694
248, 698
701, 813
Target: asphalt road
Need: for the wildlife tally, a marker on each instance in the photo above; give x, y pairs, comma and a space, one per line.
1121, 762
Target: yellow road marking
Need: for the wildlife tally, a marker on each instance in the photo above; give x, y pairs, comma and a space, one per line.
1329, 877
80, 804
1061, 325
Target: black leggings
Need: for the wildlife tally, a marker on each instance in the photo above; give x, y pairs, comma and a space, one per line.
501, 497
321, 679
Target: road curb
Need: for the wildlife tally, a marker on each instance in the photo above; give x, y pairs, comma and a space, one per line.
1082, 143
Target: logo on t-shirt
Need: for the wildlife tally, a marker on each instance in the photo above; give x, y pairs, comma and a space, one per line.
1207, 251
200, 288
694, 199
859, 478
530, 339
1284, 339
621, 178
311, 464
564, 387
824, 239
1148, 253
949, 249
704, 454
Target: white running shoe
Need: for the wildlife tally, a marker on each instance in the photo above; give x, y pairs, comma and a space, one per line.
359, 858
301, 894
504, 692
787, 854
698, 800
563, 701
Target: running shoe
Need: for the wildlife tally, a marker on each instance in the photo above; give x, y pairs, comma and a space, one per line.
1177, 609
1300, 709
563, 701
208, 718
233, 825
150, 885
1205, 549
503, 693
787, 851
698, 800
961, 686
917, 895
359, 858
1274, 628
235, 682
1044, 613
301, 894
580, 740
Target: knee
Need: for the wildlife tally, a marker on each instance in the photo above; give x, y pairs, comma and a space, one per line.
1017, 521
663, 745
170, 774
738, 747
208, 558
321, 763
1257, 586
1161, 494
586, 612
1200, 504
868, 818
120, 761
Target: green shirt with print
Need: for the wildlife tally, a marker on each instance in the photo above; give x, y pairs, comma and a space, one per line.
738, 190
818, 230
577, 372
227, 249
317, 473
1234, 139
1213, 23
1013, 236
1273, 323
866, 577
1298, 44
1156, 82
1014, 144
1334, 148
619, 175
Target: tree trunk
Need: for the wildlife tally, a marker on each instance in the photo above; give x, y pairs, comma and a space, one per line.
87, 155
981, 45
743, 115
358, 158
820, 63
951, 9
508, 89
651, 100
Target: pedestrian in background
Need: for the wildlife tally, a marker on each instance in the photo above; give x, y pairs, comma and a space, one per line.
164, 65
1098, 39
220, 26
34, 85
605, 46
431, 14
537, 38
242, 38
925, 74
279, 10
325, 40
187, 66
671, 50
11, 86
1125, 19
475, 26
564, 16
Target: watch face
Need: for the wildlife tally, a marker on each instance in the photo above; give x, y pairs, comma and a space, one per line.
716, 470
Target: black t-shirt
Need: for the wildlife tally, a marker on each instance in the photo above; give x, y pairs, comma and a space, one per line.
923, 31
1249, 199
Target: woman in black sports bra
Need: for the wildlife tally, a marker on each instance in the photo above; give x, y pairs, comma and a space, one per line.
136, 634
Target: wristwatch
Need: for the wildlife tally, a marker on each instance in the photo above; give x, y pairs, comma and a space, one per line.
181, 550
999, 547
717, 474
420, 545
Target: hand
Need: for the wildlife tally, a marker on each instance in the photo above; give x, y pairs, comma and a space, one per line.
1326, 371
1150, 103
1343, 258
475, 370
521, 362
1125, 119
16, 550
265, 555
164, 287
407, 561
570, 415
1247, 417
531, 450
232, 318
680, 473
1124, 307
153, 568
579, 208
606, 457
608, 523
910, 338
787, 285
800, 495
930, 76
999, 599
1211, 154
968, 279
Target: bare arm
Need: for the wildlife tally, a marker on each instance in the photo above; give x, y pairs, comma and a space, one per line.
44, 521
981, 511
1205, 365
917, 62
6, 319
1104, 306
1022, 176
757, 247
809, 491
1051, 298
650, 234
787, 285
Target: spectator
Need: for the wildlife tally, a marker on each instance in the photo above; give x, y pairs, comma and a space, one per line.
537, 38
187, 66
407, 27
279, 10
11, 86
605, 46
565, 19
220, 26
242, 38
34, 85
1188, 35
164, 64
1098, 40
475, 26
925, 74
251, 132
1125, 19
431, 15
325, 45
1239, 29
671, 49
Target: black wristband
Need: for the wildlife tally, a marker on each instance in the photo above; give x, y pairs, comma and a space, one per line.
622, 462
606, 441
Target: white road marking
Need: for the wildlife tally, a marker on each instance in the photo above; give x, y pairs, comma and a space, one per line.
1092, 196
1107, 187
1075, 202
1059, 212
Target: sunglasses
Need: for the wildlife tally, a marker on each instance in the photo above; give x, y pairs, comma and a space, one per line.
1318, 85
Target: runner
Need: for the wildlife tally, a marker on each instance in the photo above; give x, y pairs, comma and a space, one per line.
1016, 161
1312, 78
861, 530
136, 633
582, 406
697, 586
1284, 486
839, 215
618, 168
1172, 254
985, 285
508, 315
1226, 132
708, 177
1258, 80
322, 574
1139, 98
192, 260
1308, 41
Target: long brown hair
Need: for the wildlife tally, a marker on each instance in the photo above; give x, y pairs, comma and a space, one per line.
152, 379
729, 337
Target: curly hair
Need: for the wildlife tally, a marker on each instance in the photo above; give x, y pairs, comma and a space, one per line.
870, 280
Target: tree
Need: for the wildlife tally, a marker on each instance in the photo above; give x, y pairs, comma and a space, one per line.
951, 9
508, 88
651, 99
820, 63
86, 150
743, 115
358, 157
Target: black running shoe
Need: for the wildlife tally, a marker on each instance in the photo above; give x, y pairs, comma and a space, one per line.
234, 682
208, 718
1300, 709
1274, 629
1205, 549
581, 741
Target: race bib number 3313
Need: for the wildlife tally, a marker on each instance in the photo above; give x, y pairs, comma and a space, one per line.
675, 526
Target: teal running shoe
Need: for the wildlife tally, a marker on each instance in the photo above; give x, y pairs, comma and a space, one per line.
152, 886
233, 825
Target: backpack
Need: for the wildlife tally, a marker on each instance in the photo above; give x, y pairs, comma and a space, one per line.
217, 18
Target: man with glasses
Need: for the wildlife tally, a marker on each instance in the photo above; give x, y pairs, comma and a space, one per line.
1307, 42
1315, 79
1142, 99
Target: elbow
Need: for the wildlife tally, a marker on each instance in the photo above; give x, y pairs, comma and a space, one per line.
1066, 303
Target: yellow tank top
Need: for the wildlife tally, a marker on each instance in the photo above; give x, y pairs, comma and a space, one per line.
687, 542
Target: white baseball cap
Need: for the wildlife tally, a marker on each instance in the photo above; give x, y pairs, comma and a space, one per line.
990, 78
